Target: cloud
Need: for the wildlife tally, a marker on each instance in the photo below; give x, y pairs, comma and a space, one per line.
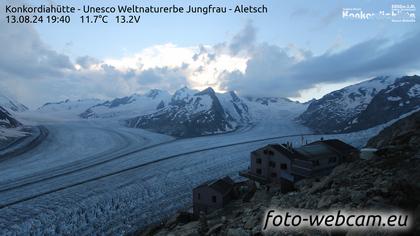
163, 78
303, 12
21, 46
317, 18
202, 65
87, 61
373, 57
331, 16
274, 71
36, 73
263, 74
244, 40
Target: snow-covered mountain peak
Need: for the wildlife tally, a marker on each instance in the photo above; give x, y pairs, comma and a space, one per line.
129, 106
121, 101
156, 93
270, 101
341, 110
183, 95
69, 108
190, 113
352, 99
208, 91
234, 96
388, 104
11, 104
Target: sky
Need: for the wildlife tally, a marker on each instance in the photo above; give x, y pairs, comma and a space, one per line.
299, 49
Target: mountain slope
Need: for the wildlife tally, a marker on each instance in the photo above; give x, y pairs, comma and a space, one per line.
68, 107
273, 108
9, 128
11, 105
339, 111
403, 132
235, 106
133, 105
7, 120
399, 98
193, 114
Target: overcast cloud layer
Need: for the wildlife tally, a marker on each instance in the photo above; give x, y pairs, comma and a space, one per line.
275, 71
34, 73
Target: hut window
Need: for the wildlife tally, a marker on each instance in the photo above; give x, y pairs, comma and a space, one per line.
199, 196
213, 198
283, 166
258, 160
272, 164
259, 171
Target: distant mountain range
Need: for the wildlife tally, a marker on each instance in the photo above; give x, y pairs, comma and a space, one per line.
363, 105
188, 113
68, 106
192, 113
129, 106
185, 113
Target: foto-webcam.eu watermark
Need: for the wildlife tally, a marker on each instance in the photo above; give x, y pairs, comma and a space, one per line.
337, 220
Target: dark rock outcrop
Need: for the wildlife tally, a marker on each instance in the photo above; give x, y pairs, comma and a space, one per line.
7, 120
404, 133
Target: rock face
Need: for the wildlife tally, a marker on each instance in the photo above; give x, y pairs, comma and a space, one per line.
390, 103
363, 105
331, 112
11, 105
191, 113
7, 120
390, 182
403, 133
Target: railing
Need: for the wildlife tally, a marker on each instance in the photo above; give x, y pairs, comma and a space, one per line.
250, 175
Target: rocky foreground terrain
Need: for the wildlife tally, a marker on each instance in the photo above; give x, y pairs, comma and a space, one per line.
390, 181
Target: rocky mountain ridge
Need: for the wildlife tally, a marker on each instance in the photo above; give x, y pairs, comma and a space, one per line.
7, 120
11, 105
191, 114
363, 105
